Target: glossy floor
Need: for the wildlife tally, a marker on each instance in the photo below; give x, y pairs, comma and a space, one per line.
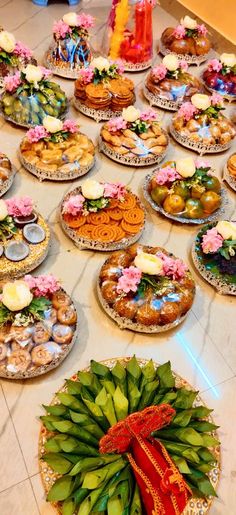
202, 350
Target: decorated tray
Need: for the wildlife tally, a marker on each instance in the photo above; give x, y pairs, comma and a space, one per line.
169, 84
70, 50
57, 151
220, 76
229, 173
186, 191
134, 139
214, 255
7, 174
102, 216
24, 237
14, 55
38, 326
200, 126
135, 395
145, 289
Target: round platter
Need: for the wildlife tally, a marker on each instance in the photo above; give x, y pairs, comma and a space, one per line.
6, 185
230, 98
195, 506
75, 172
29, 125
228, 178
163, 103
136, 161
97, 114
60, 71
198, 147
190, 59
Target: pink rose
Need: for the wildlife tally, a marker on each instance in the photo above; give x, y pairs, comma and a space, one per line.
86, 75
183, 65
45, 285
114, 190
129, 280
202, 30
216, 99
211, 241
85, 20
166, 175
173, 267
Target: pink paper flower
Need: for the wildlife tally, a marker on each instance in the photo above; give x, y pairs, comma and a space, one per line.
116, 124
19, 206
173, 267
114, 190
167, 174
119, 66
129, 280
85, 20
179, 32
183, 65
187, 111
30, 280
37, 133
22, 50
11, 82
45, 285
202, 30
86, 75
61, 29
70, 126
216, 99
211, 241
74, 205
159, 72
214, 65
47, 73
201, 163
149, 114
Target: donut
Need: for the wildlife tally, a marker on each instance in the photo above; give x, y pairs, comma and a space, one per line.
67, 315
62, 333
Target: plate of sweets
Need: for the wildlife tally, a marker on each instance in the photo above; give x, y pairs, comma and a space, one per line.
14, 55
143, 442
220, 76
169, 84
57, 150
24, 237
146, 289
187, 191
38, 326
7, 173
189, 40
229, 173
102, 91
135, 138
214, 255
200, 125
70, 49
102, 216
30, 95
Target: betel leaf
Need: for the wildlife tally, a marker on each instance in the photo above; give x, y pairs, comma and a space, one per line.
182, 418
148, 394
57, 409
99, 369
104, 401
148, 373
203, 426
68, 507
119, 375
136, 506
181, 464
202, 483
61, 489
209, 441
5, 314
57, 462
206, 455
133, 396
109, 385
185, 398
72, 402
165, 376
86, 464
200, 412
73, 387
90, 381
134, 370
121, 404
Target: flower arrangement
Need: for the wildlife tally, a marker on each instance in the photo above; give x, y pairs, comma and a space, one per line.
99, 70
225, 64
30, 78
221, 239
189, 27
94, 196
53, 130
201, 104
11, 51
196, 172
132, 119
11, 208
171, 67
73, 25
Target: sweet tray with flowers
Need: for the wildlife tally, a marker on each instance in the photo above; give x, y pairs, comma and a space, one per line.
101, 90
7, 174
70, 49
186, 191
229, 173
189, 41
200, 125
14, 55
38, 324
169, 84
134, 139
102, 216
214, 255
146, 289
24, 237
30, 95
220, 76
57, 150
173, 463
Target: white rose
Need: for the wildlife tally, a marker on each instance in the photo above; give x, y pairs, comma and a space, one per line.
130, 114
185, 167
92, 190
228, 59
71, 19
171, 62
33, 73
16, 295
3, 210
7, 41
149, 263
227, 230
201, 101
101, 63
188, 23
52, 124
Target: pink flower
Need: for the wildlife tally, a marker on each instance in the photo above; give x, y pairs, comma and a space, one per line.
216, 99
179, 32
214, 65
70, 126
202, 30
11, 82
187, 111
129, 280
86, 75
148, 114
211, 241
37, 133
45, 285
167, 174
47, 73
119, 66
22, 50
30, 280
183, 65
74, 205
173, 267
61, 29
85, 20
19, 206
116, 124
114, 190
201, 163
159, 72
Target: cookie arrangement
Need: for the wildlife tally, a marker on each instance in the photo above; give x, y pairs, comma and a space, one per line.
220, 76
229, 173
14, 55
7, 173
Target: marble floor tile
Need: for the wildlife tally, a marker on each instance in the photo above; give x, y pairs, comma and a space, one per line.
44, 507
19, 499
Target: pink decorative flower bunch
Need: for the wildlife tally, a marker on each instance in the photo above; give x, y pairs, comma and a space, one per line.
129, 280
172, 267
159, 72
201, 163
19, 206
183, 65
86, 21
42, 285
114, 190
61, 29
166, 175
22, 50
148, 115
179, 32
70, 126
116, 124
214, 65
86, 74
211, 241
216, 100
202, 30
119, 65
37, 133
12, 82
46, 73
74, 205
187, 111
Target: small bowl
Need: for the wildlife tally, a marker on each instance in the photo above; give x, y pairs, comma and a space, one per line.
16, 251
34, 233
21, 221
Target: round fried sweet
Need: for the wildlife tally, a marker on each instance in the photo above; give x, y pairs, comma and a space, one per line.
147, 315
134, 216
104, 233
170, 311
74, 221
97, 91
109, 291
60, 299
128, 202
101, 217
110, 271
120, 258
126, 307
130, 228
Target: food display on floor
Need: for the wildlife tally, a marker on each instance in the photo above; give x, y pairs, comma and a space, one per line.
57, 150
146, 289
24, 237
7, 173
102, 90
102, 216
189, 40
38, 323
220, 75
70, 50
30, 95
14, 55
200, 125
214, 255
135, 138
229, 173
169, 84
186, 191
129, 434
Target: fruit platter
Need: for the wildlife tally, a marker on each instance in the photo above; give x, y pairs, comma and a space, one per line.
229, 173
30, 95
135, 138
7, 174
38, 323
187, 191
24, 237
220, 76
14, 55
173, 460
57, 150
146, 289
214, 255
102, 216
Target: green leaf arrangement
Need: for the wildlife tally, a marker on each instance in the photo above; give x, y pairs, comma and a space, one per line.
7, 228
90, 482
105, 75
8, 59
33, 312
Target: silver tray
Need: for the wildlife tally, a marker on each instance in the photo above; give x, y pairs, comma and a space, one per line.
97, 114
190, 59
29, 125
136, 67
66, 73
8, 183
230, 98
228, 178
59, 175
163, 103
199, 147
